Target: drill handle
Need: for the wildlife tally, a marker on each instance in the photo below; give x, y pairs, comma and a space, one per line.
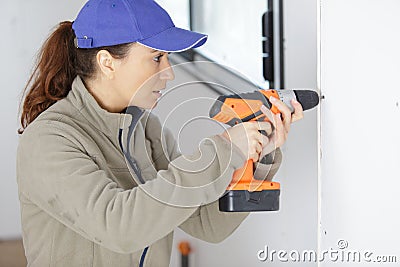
244, 174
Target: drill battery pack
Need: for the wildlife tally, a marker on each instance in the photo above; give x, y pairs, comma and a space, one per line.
246, 201
245, 193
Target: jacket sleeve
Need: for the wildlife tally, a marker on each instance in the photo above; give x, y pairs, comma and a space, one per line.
268, 166
56, 174
208, 223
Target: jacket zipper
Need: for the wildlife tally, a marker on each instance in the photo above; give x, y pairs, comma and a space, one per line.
128, 157
143, 256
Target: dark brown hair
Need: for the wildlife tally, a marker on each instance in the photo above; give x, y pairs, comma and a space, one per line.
57, 65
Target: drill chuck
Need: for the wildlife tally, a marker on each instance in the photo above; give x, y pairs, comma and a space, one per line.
307, 98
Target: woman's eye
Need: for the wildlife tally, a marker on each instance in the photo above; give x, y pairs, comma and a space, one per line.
157, 58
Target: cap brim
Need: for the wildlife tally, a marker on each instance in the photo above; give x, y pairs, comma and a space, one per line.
174, 40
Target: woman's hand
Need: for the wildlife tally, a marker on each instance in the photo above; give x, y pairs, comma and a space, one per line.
281, 123
248, 139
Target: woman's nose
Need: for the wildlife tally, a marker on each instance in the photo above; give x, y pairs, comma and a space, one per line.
167, 73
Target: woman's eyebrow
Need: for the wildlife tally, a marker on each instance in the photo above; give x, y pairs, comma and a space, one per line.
154, 50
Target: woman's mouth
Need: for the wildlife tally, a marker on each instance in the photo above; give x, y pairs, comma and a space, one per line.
157, 93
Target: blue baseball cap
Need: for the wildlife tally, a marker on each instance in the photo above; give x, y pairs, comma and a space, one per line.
112, 22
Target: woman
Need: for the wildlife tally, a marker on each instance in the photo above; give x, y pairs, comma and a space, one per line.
93, 192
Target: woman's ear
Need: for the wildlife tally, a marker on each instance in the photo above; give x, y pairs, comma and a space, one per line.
106, 63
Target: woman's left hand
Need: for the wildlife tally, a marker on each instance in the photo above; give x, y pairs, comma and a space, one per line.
281, 123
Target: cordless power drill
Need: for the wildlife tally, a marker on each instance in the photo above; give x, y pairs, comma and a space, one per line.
245, 193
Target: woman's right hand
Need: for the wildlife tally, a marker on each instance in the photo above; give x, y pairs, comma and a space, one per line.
248, 139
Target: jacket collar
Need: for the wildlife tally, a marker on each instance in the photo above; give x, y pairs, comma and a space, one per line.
107, 122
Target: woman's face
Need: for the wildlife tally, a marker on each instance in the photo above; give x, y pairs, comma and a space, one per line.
140, 76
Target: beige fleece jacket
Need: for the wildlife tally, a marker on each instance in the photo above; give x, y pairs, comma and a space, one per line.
81, 204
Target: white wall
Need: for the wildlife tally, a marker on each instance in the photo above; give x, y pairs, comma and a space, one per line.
24, 26
234, 34
360, 127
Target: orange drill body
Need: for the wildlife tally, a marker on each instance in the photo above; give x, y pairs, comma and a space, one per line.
232, 110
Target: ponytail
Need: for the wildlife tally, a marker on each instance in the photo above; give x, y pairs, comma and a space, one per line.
53, 74
59, 62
